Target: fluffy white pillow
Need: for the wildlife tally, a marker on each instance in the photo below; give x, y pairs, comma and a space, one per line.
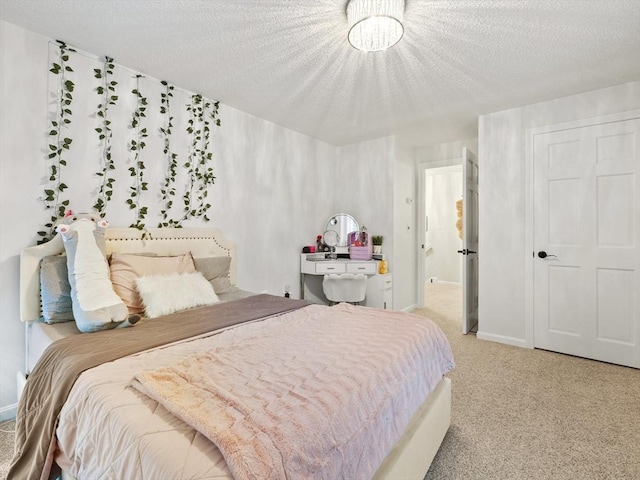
125, 268
165, 294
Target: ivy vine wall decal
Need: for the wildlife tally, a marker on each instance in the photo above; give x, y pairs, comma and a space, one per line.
106, 89
58, 142
168, 190
200, 173
142, 150
136, 146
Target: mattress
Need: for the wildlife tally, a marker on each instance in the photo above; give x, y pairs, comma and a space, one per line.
41, 335
103, 413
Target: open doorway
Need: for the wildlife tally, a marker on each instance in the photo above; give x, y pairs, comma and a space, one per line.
442, 238
442, 279
461, 155
441, 189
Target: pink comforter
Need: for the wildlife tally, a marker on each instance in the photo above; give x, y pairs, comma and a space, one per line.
319, 393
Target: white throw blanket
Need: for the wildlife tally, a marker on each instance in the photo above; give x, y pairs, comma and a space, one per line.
319, 393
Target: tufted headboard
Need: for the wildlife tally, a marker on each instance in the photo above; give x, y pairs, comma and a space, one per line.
201, 242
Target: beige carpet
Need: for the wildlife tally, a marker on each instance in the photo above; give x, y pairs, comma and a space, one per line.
521, 414
532, 414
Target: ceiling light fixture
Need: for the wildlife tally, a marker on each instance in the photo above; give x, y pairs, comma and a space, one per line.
375, 25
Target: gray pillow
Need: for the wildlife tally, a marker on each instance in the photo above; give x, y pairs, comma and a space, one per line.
55, 290
216, 270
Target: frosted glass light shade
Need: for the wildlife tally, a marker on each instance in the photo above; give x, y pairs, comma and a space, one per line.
375, 25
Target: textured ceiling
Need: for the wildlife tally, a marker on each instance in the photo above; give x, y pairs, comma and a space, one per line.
289, 62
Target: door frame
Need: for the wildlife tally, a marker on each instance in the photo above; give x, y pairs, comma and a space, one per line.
529, 198
420, 221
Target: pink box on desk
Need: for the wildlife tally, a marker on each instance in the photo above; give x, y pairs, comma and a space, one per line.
361, 253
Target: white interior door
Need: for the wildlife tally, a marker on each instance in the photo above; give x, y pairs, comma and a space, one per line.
586, 238
469, 241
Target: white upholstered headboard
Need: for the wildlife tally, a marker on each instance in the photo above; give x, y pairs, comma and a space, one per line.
201, 242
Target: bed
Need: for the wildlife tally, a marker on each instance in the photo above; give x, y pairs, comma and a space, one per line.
128, 410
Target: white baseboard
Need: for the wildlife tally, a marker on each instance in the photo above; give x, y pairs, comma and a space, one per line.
8, 412
446, 282
516, 342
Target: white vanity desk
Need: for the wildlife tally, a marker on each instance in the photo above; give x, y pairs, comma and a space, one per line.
313, 267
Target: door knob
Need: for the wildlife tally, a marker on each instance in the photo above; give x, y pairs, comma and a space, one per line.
464, 251
543, 254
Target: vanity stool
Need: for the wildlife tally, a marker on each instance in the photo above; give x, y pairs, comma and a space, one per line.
345, 287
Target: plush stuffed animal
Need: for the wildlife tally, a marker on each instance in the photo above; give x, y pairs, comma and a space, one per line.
96, 306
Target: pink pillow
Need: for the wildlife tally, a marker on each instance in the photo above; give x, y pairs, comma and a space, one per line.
126, 268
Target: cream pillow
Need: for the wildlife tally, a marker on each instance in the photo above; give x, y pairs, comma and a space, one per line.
216, 270
166, 294
126, 268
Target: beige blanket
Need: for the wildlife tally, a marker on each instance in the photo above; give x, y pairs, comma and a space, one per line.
319, 393
53, 377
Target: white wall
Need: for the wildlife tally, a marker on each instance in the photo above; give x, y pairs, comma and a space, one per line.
23, 88
373, 181
502, 200
363, 186
270, 197
404, 228
449, 153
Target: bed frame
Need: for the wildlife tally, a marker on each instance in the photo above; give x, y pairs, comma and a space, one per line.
410, 457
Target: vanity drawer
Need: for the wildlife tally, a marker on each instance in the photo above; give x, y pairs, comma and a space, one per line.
330, 267
368, 268
387, 281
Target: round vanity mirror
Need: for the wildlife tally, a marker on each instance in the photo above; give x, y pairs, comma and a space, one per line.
343, 224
